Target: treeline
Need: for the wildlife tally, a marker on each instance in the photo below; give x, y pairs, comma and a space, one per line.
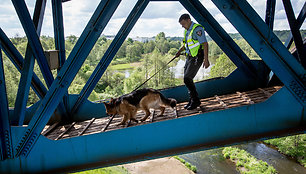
141, 59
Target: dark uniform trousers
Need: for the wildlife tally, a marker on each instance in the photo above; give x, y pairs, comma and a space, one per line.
192, 66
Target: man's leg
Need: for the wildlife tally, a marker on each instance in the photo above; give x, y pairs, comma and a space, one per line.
190, 70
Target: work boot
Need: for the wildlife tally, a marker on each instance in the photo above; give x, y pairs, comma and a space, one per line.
194, 104
189, 102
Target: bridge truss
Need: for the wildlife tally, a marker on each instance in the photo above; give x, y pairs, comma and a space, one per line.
37, 147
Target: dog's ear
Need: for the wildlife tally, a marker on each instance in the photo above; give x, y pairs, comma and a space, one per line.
112, 101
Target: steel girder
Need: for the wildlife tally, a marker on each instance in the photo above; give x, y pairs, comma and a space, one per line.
58, 24
27, 69
201, 14
6, 148
280, 113
219, 35
270, 11
110, 52
17, 59
300, 19
293, 23
33, 39
203, 131
266, 44
67, 73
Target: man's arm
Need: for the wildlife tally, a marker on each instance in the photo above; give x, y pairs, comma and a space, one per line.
206, 62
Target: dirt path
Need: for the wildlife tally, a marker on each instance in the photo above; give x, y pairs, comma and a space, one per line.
166, 165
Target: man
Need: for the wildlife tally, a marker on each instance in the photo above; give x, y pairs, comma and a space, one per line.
196, 47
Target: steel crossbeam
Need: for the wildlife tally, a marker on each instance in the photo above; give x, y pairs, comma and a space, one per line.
110, 52
5, 129
18, 61
33, 39
58, 25
262, 120
266, 44
59, 30
293, 23
67, 73
300, 19
270, 12
27, 70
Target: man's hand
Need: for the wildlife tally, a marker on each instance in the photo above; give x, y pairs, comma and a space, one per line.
179, 51
178, 54
206, 63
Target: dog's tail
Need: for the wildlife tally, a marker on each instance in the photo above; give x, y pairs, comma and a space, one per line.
168, 101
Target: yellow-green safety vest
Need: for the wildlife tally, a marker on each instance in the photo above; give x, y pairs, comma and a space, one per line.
192, 44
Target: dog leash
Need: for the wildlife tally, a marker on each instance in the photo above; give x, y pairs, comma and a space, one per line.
154, 74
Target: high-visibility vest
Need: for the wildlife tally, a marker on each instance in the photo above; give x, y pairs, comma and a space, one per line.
192, 44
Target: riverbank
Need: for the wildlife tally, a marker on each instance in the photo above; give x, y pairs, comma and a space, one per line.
246, 163
292, 146
165, 165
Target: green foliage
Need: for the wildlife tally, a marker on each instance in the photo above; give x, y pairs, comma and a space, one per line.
106, 170
153, 55
188, 165
223, 67
246, 163
294, 146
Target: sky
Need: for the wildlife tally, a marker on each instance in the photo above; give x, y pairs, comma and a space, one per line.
157, 17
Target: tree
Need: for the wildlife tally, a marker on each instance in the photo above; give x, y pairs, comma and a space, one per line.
223, 67
160, 37
148, 47
133, 52
72, 39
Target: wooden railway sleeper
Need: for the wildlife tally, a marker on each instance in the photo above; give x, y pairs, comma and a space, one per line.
268, 94
108, 123
50, 129
245, 98
63, 133
221, 102
86, 127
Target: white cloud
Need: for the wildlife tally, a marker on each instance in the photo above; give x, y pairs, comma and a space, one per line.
158, 16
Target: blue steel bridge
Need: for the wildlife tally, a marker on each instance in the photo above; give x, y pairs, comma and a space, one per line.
261, 99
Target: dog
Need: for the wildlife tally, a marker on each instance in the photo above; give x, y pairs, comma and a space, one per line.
143, 99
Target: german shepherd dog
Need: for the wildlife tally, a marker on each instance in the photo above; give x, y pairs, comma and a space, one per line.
143, 99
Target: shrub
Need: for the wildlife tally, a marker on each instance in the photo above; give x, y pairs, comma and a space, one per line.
246, 161
188, 165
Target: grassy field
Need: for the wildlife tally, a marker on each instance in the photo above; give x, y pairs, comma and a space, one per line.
126, 66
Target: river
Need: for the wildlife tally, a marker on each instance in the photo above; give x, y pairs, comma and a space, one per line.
178, 71
212, 161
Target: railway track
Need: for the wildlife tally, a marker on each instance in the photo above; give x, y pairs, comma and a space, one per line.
211, 104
